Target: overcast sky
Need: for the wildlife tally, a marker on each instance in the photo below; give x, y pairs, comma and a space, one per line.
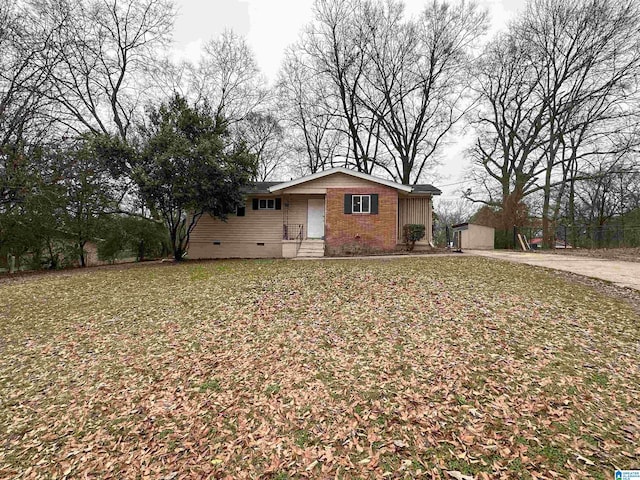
271, 25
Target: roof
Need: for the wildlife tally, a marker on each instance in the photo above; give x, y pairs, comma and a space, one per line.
346, 171
259, 187
426, 188
416, 189
466, 225
461, 226
270, 187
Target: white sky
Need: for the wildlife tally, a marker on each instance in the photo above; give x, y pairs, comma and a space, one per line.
272, 25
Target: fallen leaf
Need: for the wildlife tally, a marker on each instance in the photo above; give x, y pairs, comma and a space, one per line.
458, 475
586, 461
399, 444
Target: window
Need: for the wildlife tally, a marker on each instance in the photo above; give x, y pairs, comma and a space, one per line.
267, 204
361, 203
240, 211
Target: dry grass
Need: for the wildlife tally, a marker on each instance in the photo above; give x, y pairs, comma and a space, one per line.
354, 369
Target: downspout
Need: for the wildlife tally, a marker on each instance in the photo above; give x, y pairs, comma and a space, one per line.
431, 225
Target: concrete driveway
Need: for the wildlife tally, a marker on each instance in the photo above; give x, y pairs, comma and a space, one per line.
623, 274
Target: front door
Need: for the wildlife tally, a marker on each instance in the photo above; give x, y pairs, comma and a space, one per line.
315, 218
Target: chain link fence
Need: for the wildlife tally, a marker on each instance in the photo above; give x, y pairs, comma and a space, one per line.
577, 236
615, 235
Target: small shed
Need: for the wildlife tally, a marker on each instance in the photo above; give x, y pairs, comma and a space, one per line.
470, 235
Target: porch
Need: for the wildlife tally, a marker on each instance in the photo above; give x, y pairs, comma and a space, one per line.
415, 209
303, 228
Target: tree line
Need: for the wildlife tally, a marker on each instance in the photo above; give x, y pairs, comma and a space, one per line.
96, 146
557, 116
104, 139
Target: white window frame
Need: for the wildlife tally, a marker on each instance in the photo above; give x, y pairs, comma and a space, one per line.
361, 197
269, 204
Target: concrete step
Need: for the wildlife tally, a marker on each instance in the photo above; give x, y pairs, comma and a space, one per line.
310, 255
302, 252
311, 248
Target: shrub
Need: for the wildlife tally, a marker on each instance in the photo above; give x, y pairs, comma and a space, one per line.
132, 236
412, 232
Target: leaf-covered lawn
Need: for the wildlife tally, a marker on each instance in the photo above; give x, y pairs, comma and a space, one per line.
346, 369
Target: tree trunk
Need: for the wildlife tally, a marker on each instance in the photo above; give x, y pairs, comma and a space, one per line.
572, 210
83, 260
547, 233
54, 260
141, 251
173, 235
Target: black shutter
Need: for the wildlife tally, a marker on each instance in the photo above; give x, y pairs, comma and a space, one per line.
278, 204
347, 203
374, 203
255, 203
240, 211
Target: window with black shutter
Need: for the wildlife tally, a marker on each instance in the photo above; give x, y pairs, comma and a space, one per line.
361, 204
347, 203
374, 204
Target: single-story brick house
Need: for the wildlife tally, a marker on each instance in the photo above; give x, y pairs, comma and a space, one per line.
333, 212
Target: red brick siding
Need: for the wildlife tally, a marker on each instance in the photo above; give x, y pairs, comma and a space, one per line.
361, 233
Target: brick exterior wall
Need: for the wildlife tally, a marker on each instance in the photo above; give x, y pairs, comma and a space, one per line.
361, 233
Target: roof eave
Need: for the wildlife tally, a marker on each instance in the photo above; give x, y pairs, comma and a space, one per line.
430, 192
331, 171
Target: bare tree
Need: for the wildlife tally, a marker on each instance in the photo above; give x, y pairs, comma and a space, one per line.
25, 67
395, 87
168, 77
25, 71
228, 78
510, 121
335, 45
103, 49
604, 197
588, 57
453, 211
417, 78
558, 89
311, 118
264, 138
